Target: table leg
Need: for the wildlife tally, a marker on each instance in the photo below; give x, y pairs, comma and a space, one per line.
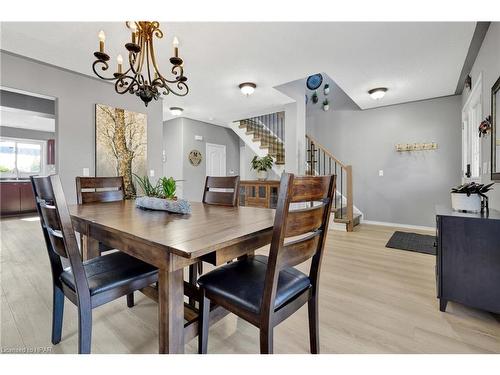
90, 247
171, 311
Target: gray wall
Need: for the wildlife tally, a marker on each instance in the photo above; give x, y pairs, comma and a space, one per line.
413, 183
488, 64
27, 102
76, 96
194, 177
8, 131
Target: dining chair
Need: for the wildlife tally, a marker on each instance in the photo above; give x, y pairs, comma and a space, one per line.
101, 189
213, 193
218, 191
87, 284
267, 290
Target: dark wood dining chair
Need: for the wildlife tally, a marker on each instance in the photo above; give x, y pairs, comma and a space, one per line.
218, 197
87, 284
226, 197
101, 189
267, 290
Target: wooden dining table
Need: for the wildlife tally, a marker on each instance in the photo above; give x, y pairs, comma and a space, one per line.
171, 242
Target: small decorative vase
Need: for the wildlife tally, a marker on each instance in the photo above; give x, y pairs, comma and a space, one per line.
326, 89
262, 175
462, 202
326, 107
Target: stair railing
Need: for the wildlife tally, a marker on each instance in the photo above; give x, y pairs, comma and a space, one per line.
321, 162
269, 129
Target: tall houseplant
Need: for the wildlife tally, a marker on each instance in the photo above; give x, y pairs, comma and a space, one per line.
262, 165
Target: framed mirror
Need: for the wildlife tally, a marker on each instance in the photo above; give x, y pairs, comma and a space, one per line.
495, 133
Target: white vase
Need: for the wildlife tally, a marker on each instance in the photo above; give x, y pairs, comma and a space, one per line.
326, 107
262, 175
462, 202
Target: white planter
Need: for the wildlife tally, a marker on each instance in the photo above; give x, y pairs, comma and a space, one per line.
462, 202
262, 175
326, 107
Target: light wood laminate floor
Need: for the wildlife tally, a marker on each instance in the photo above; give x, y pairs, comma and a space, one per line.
372, 300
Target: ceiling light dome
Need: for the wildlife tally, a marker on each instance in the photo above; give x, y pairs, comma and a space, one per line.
176, 111
247, 88
377, 93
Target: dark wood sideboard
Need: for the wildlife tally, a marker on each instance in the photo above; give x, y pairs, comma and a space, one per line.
257, 193
468, 259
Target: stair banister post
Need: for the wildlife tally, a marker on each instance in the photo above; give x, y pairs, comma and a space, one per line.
350, 199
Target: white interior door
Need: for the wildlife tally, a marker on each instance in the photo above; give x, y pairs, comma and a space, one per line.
216, 160
472, 113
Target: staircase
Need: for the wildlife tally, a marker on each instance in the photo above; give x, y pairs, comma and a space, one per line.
269, 130
321, 162
264, 135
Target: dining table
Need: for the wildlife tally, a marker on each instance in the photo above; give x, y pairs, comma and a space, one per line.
171, 242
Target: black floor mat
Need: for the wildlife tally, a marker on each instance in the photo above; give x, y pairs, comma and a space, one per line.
419, 243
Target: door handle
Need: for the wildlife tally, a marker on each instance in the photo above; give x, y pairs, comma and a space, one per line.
468, 173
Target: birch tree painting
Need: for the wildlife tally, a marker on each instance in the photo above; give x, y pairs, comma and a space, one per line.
121, 144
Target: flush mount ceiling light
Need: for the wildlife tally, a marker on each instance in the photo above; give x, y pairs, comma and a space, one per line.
377, 93
247, 88
176, 111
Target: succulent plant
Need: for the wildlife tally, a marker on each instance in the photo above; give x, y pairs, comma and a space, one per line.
472, 188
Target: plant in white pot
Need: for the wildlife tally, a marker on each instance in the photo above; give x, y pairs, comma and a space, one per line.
470, 197
262, 165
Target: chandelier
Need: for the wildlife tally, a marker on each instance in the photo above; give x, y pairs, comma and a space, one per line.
143, 77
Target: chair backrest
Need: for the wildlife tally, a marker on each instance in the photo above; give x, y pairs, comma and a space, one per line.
222, 198
299, 233
58, 229
99, 189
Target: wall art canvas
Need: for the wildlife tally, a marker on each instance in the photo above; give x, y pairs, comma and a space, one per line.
121, 144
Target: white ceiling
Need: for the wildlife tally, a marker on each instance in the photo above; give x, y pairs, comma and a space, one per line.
26, 120
415, 60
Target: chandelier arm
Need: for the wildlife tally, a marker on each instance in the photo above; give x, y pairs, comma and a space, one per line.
104, 67
128, 86
132, 58
153, 58
147, 62
142, 54
180, 88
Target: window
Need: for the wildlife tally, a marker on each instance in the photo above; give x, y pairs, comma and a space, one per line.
20, 157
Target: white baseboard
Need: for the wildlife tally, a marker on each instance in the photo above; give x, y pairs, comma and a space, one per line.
408, 226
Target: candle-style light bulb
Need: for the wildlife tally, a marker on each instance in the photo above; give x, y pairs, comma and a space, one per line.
175, 43
119, 60
102, 38
133, 27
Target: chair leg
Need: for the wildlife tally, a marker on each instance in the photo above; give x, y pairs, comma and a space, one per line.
200, 268
130, 300
57, 314
312, 307
266, 340
84, 329
203, 324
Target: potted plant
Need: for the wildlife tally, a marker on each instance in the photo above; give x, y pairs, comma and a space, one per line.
470, 197
326, 89
326, 105
161, 196
315, 97
262, 165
